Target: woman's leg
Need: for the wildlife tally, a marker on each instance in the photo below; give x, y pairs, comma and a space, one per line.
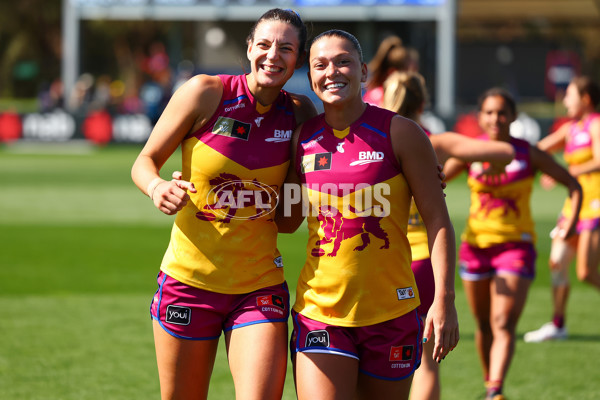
426, 381
326, 376
508, 296
370, 388
588, 257
184, 366
478, 297
258, 360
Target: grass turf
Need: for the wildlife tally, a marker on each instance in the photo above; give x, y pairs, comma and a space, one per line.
80, 251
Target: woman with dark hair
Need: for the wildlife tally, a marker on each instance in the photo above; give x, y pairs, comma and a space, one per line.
357, 333
580, 141
222, 271
497, 253
391, 56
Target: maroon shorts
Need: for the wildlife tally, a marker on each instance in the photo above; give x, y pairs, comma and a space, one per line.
390, 350
516, 258
423, 271
190, 313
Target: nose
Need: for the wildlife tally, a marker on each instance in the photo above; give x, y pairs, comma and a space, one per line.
331, 69
272, 54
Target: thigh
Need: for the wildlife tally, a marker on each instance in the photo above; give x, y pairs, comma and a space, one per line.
322, 376
370, 388
478, 297
588, 250
508, 296
184, 366
257, 356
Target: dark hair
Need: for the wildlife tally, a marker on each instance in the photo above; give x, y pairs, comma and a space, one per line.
391, 55
404, 93
289, 17
585, 85
497, 91
342, 35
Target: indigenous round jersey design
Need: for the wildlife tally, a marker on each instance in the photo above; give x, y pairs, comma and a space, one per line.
417, 234
357, 271
500, 212
225, 239
578, 149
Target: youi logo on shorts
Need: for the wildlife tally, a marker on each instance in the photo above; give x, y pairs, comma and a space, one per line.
317, 339
405, 293
368, 157
178, 315
280, 135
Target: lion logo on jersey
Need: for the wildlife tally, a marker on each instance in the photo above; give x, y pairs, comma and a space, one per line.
337, 228
487, 203
230, 194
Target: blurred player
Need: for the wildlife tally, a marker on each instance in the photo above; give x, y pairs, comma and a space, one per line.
406, 94
391, 56
357, 334
222, 270
497, 254
580, 140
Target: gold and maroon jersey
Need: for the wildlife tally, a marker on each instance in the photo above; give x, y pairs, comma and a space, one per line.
578, 149
357, 271
500, 209
225, 239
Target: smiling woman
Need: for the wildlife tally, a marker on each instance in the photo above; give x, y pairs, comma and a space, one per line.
348, 343
222, 260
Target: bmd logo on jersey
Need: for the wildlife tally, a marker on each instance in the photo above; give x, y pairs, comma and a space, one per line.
317, 339
280, 135
316, 162
401, 353
231, 127
178, 315
368, 157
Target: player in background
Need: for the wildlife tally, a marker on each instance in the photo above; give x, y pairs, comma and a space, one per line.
406, 94
580, 141
357, 333
391, 56
222, 271
497, 253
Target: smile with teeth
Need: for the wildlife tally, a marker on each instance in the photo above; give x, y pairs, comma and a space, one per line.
334, 85
270, 68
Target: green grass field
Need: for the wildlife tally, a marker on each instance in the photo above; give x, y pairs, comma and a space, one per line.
80, 248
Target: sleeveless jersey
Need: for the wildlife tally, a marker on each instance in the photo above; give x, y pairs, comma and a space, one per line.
225, 239
578, 149
417, 234
500, 212
357, 271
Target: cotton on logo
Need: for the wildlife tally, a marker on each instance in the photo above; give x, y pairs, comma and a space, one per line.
280, 135
368, 157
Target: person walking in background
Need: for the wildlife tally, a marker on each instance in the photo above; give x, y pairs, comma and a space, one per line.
357, 333
497, 254
391, 56
406, 94
580, 140
222, 270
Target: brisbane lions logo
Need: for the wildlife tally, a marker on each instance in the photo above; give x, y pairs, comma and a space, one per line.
336, 228
229, 194
487, 203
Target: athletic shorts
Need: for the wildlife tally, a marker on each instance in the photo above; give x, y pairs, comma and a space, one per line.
187, 312
423, 271
588, 224
516, 258
390, 350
